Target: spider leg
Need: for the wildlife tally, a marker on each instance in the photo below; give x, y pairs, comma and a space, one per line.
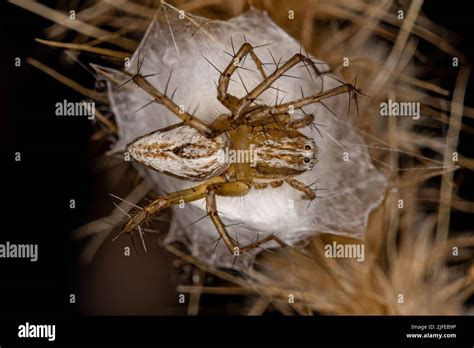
223, 95
225, 189
259, 242
231, 189
284, 121
207, 190
301, 123
263, 185
279, 119
298, 185
160, 98
266, 112
167, 200
179, 111
245, 102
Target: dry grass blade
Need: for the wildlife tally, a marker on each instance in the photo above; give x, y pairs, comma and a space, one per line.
86, 48
76, 24
452, 139
132, 8
67, 81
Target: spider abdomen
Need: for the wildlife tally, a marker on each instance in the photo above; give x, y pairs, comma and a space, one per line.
183, 152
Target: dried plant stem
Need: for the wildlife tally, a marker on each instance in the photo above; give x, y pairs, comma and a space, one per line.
86, 15
215, 290
451, 145
67, 81
423, 84
132, 8
193, 307
110, 126
398, 48
86, 48
77, 25
259, 306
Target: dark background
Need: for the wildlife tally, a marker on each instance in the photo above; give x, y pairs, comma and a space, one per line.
55, 165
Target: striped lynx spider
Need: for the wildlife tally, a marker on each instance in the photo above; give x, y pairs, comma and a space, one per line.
193, 150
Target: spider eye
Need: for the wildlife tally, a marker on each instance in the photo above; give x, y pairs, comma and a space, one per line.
307, 147
306, 160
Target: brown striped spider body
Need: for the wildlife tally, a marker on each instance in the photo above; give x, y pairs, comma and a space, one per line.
275, 152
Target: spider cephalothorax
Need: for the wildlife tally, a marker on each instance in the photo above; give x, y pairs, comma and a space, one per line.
265, 146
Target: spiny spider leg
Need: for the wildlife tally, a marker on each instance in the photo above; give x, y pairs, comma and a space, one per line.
160, 98
208, 190
301, 123
245, 102
223, 95
298, 185
280, 119
237, 188
265, 112
211, 207
257, 243
164, 201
